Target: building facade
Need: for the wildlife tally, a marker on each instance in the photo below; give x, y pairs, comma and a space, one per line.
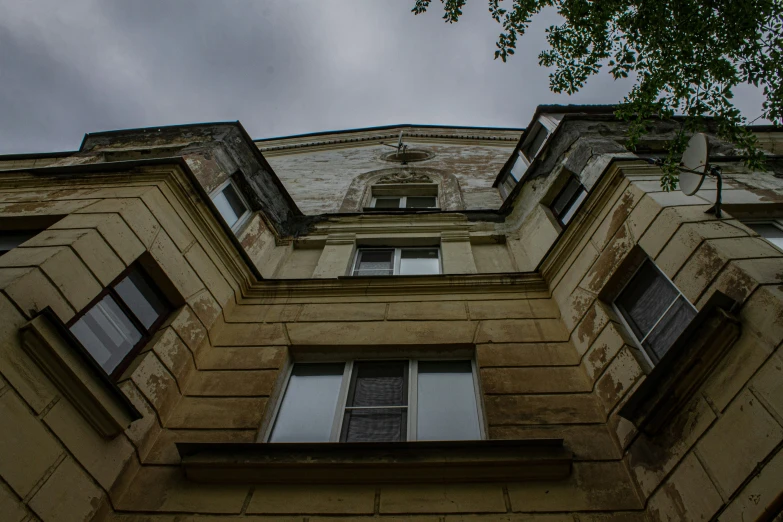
417, 323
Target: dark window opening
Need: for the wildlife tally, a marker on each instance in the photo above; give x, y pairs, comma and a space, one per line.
531, 148
567, 202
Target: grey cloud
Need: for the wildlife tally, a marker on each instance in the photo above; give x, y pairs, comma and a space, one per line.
280, 67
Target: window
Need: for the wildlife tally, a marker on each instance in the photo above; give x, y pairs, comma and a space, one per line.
567, 202
405, 202
397, 261
534, 144
10, 239
771, 230
379, 401
513, 176
654, 309
120, 320
231, 205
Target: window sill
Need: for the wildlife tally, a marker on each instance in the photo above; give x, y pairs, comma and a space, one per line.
401, 210
687, 364
77, 376
394, 462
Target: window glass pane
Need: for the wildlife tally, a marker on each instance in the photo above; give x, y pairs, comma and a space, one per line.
230, 205
230, 192
376, 384
519, 168
560, 204
770, 232
420, 202
446, 401
309, 405
569, 213
375, 262
107, 333
646, 298
141, 298
669, 329
379, 384
375, 425
419, 261
531, 149
387, 202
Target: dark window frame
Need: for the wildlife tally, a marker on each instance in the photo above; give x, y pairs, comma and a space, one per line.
570, 203
146, 333
539, 131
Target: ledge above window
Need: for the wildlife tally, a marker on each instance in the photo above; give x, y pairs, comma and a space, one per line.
376, 463
76, 375
685, 366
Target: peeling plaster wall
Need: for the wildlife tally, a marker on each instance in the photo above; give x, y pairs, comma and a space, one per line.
319, 180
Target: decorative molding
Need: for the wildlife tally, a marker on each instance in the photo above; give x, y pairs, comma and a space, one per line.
404, 176
376, 463
528, 283
341, 239
295, 145
456, 236
77, 376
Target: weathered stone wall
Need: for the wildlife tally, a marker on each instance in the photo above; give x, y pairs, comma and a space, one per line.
319, 180
554, 359
208, 374
720, 457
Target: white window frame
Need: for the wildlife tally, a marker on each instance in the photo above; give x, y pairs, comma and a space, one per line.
775, 222
397, 258
245, 216
624, 321
342, 396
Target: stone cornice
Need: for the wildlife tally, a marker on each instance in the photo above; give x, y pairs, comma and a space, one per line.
444, 284
374, 462
316, 143
392, 225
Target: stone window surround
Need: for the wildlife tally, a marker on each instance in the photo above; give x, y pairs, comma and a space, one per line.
242, 220
432, 354
339, 253
76, 374
668, 388
402, 191
359, 194
396, 258
671, 383
630, 275
146, 333
560, 180
379, 352
575, 200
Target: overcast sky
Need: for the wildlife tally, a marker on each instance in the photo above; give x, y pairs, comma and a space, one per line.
281, 67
